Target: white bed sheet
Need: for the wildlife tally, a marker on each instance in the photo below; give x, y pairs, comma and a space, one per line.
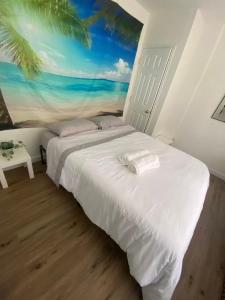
152, 216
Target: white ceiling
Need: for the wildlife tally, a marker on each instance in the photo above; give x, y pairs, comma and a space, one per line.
158, 4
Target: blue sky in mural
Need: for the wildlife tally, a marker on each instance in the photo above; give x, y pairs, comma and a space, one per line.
108, 57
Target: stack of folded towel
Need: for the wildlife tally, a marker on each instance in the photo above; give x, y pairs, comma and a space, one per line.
139, 161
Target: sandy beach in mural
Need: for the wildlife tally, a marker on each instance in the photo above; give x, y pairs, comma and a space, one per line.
54, 97
21, 114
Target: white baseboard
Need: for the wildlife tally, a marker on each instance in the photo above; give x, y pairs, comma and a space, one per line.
217, 174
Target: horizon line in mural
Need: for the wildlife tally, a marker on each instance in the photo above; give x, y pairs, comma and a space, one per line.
121, 73
52, 67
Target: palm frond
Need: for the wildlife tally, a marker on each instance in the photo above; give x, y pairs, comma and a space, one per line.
59, 16
19, 50
5, 11
116, 21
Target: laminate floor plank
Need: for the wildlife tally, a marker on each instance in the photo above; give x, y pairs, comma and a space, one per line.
49, 250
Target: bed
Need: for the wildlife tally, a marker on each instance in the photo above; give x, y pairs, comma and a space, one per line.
45, 138
152, 217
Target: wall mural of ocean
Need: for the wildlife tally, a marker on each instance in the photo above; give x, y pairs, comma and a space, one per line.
50, 72
53, 97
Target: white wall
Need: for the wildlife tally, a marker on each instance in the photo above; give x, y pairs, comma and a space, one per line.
198, 134
196, 90
194, 60
31, 136
166, 27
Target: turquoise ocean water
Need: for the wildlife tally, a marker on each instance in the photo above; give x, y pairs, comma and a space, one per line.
50, 89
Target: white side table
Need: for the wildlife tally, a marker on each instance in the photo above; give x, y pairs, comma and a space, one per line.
20, 157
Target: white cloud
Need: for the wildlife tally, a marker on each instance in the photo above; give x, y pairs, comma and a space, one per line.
122, 67
49, 64
49, 58
52, 51
122, 72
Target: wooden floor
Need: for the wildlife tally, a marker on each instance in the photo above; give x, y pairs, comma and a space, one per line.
49, 250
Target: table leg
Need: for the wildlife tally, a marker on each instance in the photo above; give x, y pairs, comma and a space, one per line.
30, 169
3, 179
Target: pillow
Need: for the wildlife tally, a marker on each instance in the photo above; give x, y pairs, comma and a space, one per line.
104, 122
74, 126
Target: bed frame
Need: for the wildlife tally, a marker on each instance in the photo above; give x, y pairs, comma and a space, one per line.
43, 155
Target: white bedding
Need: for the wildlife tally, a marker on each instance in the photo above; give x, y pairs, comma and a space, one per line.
152, 216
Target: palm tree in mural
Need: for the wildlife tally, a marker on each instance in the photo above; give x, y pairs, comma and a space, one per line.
116, 21
58, 15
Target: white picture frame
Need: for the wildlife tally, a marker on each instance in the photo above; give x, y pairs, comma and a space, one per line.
219, 113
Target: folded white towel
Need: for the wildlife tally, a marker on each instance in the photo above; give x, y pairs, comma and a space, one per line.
125, 158
144, 163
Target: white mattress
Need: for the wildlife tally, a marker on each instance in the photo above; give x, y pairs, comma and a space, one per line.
152, 216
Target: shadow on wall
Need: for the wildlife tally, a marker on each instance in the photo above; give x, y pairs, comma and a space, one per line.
119, 113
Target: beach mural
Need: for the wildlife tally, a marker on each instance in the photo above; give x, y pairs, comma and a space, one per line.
60, 59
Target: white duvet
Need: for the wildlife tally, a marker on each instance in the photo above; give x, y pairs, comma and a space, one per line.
152, 216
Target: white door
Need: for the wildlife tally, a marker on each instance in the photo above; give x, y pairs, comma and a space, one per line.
151, 71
